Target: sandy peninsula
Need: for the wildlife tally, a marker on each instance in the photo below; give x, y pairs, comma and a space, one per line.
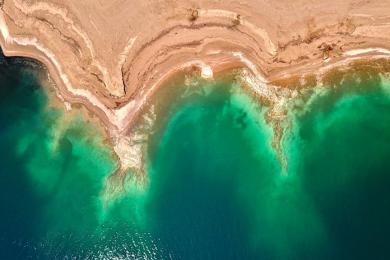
111, 56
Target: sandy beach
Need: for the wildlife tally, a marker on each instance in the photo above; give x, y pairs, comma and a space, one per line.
111, 56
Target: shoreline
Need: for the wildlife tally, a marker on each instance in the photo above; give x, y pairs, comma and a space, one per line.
130, 147
115, 118
206, 40
257, 83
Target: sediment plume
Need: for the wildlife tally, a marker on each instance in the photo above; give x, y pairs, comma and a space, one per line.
112, 56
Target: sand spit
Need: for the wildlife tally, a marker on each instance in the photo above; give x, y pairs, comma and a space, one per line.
111, 56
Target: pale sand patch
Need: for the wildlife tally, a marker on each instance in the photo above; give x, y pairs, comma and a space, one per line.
365, 51
207, 72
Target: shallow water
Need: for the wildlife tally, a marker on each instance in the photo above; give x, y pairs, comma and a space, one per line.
215, 188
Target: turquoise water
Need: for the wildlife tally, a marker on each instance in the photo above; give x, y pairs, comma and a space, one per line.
215, 188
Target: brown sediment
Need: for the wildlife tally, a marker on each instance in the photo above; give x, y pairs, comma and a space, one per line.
112, 56
361, 69
297, 81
